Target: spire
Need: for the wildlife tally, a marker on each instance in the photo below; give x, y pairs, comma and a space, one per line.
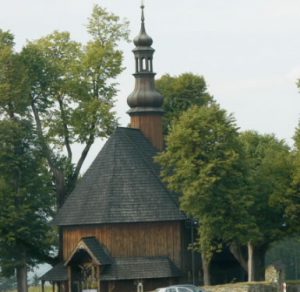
143, 40
145, 101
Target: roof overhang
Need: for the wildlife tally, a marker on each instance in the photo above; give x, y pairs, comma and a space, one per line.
91, 246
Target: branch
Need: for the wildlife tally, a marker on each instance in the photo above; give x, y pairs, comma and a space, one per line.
236, 251
58, 174
45, 147
65, 128
81, 161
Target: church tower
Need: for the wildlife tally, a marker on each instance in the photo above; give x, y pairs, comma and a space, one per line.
145, 101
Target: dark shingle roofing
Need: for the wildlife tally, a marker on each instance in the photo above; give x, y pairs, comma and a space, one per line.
121, 185
94, 248
58, 273
126, 268
98, 250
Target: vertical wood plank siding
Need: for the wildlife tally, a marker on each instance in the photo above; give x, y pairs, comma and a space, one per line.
132, 239
151, 126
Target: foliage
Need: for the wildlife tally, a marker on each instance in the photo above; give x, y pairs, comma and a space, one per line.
106, 27
202, 161
54, 94
292, 199
71, 92
25, 201
7, 284
268, 179
13, 79
286, 253
180, 93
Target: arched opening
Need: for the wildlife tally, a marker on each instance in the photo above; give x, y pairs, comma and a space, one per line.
84, 272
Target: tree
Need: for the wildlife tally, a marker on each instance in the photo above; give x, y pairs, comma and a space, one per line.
268, 179
203, 162
25, 201
7, 284
292, 199
180, 93
287, 253
71, 93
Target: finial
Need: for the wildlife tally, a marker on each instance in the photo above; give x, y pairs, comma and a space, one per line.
143, 40
142, 7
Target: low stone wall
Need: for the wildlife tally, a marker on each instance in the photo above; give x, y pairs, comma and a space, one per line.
244, 287
293, 286
254, 287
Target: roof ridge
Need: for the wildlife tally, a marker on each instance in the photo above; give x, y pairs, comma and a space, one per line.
151, 167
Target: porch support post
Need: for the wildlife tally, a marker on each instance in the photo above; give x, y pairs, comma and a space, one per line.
69, 279
98, 277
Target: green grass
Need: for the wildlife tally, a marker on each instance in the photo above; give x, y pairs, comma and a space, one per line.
36, 289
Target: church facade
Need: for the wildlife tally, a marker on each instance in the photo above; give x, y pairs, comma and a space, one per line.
122, 229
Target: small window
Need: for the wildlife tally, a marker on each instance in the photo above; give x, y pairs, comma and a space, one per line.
143, 64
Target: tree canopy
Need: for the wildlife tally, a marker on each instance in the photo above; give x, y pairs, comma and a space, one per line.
25, 200
54, 94
268, 179
232, 183
71, 92
202, 161
292, 198
180, 93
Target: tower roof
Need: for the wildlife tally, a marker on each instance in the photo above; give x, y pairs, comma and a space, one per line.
144, 98
122, 185
142, 39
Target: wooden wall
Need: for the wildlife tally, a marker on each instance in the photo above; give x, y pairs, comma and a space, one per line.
132, 239
151, 126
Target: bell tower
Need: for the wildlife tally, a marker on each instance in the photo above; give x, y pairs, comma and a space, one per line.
145, 102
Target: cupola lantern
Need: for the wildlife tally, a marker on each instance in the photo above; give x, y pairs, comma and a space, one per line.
145, 101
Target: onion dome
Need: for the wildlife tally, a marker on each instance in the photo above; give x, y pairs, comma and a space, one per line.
143, 40
144, 98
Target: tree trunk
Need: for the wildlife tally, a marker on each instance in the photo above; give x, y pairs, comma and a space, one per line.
256, 262
240, 255
22, 278
206, 270
251, 267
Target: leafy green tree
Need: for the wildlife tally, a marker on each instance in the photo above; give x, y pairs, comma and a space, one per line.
203, 162
268, 179
25, 201
180, 93
292, 198
72, 92
286, 253
65, 90
7, 283
14, 88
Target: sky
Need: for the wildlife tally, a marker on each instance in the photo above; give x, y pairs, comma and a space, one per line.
247, 51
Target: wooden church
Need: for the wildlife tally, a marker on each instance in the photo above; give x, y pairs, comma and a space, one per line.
122, 229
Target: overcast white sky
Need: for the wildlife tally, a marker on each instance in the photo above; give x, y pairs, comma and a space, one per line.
247, 50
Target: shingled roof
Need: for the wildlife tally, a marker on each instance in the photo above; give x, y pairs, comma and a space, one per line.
121, 185
126, 268
58, 273
97, 251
